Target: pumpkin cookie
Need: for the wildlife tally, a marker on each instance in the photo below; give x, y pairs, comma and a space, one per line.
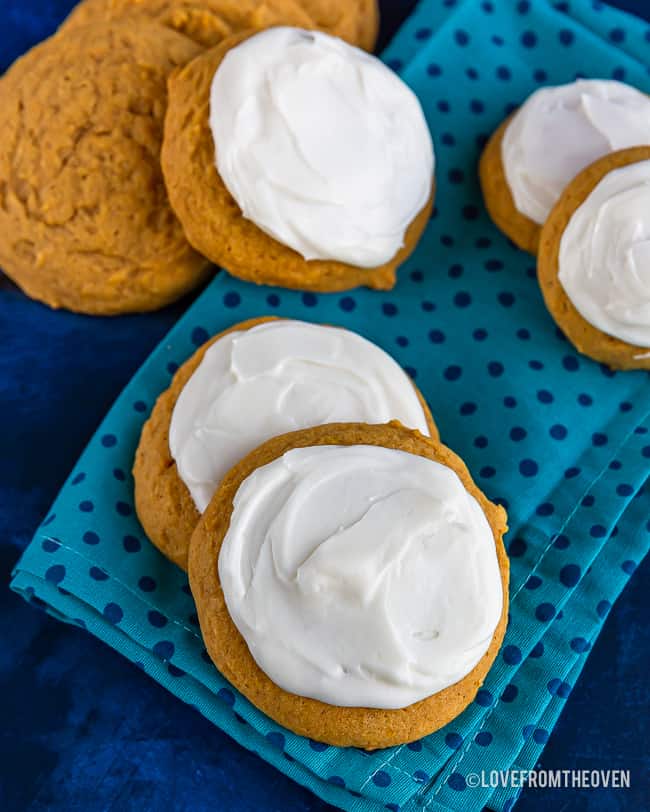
290, 374
84, 219
207, 22
541, 147
372, 613
593, 262
312, 140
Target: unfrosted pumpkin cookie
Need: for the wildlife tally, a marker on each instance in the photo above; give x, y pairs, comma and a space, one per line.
207, 22
594, 260
351, 581
542, 146
85, 222
323, 173
260, 378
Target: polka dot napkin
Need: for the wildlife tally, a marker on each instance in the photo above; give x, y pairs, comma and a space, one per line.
560, 441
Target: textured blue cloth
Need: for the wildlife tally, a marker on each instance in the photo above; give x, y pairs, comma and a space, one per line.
561, 441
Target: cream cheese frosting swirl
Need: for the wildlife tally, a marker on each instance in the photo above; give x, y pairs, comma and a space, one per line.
360, 576
604, 257
321, 145
560, 130
276, 377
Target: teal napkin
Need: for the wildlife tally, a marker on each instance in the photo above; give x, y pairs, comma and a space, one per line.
559, 440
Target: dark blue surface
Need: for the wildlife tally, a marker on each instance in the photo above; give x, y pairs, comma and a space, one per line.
84, 729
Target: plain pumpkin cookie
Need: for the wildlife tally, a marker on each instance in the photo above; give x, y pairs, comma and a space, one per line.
85, 222
543, 145
208, 22
289, 375
351, 581
314, 139
594, 264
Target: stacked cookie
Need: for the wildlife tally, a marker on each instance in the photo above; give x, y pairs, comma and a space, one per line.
289, 156
349, 576
567, 176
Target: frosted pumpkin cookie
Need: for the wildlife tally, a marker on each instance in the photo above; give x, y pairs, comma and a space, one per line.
84, 218
351, 581
293, 159
258, 379
207, 22
542, 146
594, 260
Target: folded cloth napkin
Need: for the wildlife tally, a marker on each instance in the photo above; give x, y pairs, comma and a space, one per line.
562, 442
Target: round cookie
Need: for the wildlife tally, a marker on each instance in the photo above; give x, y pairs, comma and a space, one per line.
587, 338
85, 222
523, 231
207, 22
369, 728
163, 502
213, 220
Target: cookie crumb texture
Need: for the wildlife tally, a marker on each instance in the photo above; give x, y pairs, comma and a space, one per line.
584, 336
212, 219
85, 222
369, 728
207, 22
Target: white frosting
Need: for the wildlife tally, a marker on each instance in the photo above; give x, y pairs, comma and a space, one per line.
321, 145
361, 575
559, 131
276, 377
604, 259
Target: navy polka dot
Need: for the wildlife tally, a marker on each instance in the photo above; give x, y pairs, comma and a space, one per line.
347, 304
512, 655
416, 747
528, 468
468, 408
453, 372
483, 738
509, 402
113, 613
273, 300
199, 336
147, 583
480, 334
232, 299
540, 736
164, 649
89, 537
461, 37
480, 441
420, 776
140, 406
123, 508
580, 645
558, 431
119, 474
517, 548
484, 698
309, 299
436, 336
156, 619
131, 544
598, 438
276, 738
462, 299
545, 612
570, 575
336, 780
50, 545
603, 608
533, 582
381, 778
628, 567
537, 651
318, 747
453, 741
517, 433
98, 574
566, 37
510, 693
545, 509
78, 478
560, 542
226, 696
529, 39
495, 369
55, 574
86, 506
457, 781
434, 70
109, 440
597, 531
544, 396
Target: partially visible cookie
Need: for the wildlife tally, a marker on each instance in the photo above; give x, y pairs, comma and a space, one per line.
207, 22
542, 146
497, 196
85, 222
166, 508
284, 187
596, 235
345, 573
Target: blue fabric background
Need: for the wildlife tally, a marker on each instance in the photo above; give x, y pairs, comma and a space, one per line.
112, 769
